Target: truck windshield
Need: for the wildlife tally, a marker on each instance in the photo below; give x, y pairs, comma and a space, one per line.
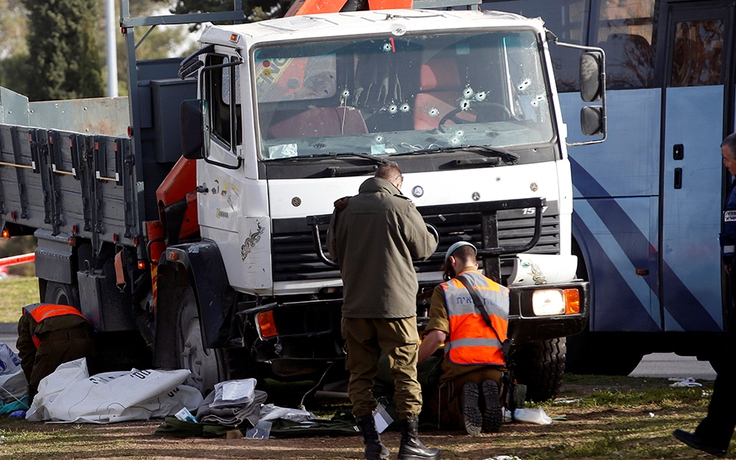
402, 95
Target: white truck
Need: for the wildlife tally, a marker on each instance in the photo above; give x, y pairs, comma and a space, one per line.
196, 238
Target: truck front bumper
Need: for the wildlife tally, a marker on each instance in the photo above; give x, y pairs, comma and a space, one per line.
310, 330
526, 325
301, 330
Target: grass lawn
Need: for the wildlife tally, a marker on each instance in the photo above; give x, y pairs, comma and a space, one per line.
15, 293
593, 418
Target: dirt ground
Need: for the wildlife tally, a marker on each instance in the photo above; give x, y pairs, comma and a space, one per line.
574, 425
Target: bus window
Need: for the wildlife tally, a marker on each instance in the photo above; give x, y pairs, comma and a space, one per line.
567, 19
698, 53
625, 31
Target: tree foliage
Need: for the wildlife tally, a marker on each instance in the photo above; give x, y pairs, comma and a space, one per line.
12, 28
13, 50
163, 42
68, 42
13, 71
63, 61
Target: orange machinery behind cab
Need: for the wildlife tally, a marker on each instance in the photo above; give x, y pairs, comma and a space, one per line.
301, 7
177, 208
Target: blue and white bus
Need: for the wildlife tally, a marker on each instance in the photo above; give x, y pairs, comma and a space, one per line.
648, 201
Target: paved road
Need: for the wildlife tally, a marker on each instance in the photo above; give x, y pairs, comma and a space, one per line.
9, 334
667, 365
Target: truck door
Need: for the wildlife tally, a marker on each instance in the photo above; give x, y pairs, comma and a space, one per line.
221, 177
217, 175
693, 98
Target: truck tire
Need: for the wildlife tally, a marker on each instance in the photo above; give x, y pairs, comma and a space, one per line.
61, 294
207, 366
540, 366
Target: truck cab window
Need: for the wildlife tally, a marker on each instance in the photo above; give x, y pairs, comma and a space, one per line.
296, 79
391, 95
568, 20
222, 91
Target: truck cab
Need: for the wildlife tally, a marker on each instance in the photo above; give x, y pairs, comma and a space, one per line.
194, 237
295, 113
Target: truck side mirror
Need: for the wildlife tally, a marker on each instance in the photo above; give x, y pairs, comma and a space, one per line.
192, 128
591, 120
591, 76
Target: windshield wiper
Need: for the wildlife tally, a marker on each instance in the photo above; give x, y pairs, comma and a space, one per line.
507, 157
494, 152
367, 156
332, 155
336, 171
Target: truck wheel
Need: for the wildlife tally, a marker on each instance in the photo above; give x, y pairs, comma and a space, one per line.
207, 365
540, 366
61, 294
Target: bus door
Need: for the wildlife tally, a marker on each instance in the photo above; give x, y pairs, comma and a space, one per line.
691, 168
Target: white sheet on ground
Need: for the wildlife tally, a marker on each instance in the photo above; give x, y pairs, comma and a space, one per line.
69, 394
13, 385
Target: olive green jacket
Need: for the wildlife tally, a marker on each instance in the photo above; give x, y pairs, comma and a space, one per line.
374, 239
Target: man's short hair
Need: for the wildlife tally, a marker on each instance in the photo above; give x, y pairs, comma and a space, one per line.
389, 170
457, 245
730, 141
464, 253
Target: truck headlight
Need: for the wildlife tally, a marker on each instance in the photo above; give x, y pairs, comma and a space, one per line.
549, 302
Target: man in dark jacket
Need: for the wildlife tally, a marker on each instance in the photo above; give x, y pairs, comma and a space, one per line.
374, 237
713, 434
49, 335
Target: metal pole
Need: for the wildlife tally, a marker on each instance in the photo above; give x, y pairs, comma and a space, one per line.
111, 27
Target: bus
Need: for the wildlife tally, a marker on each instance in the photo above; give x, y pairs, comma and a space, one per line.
647, 202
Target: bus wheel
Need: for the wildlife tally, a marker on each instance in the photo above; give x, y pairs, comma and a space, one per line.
207, 366
540, 366
61, 294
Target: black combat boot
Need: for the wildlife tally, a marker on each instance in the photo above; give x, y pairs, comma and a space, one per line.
411, 447
374, 449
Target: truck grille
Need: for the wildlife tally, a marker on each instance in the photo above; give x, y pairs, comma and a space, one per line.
294, 256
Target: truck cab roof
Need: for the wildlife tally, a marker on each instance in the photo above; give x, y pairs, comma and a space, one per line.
360, 23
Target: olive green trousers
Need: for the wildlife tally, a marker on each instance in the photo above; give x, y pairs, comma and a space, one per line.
398, 339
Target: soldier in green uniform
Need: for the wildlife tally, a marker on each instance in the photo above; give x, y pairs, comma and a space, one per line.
49, 335
374, 237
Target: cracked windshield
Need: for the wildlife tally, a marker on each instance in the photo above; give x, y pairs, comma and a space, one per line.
402, 95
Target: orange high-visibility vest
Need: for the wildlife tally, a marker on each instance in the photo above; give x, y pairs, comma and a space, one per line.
471, 341
42, 311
